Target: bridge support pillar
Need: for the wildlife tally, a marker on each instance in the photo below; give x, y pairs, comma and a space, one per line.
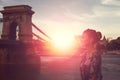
17, 22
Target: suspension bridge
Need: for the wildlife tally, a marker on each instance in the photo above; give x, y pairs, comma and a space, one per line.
19, 51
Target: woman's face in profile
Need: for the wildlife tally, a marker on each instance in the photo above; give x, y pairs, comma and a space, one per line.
88, 40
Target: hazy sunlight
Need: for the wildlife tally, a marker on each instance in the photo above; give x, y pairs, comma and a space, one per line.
63, 40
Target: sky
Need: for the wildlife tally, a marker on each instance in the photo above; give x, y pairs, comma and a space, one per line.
73, 16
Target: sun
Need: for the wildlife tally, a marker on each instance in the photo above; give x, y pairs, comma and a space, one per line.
63, 40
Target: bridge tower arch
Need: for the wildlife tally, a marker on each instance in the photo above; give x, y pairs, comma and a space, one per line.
17, 17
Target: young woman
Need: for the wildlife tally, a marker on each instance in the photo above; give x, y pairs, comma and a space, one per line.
88, 59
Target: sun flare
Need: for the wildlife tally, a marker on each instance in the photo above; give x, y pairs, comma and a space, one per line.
63, 40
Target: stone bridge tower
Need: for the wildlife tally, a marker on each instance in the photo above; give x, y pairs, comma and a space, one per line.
17, 17
18, 60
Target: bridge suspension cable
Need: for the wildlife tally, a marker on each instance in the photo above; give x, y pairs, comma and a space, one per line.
38, 37
40, 31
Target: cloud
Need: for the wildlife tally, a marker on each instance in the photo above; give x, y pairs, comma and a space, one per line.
106, 11
107, 14
111, 2
80, 14
48, 8
76, 14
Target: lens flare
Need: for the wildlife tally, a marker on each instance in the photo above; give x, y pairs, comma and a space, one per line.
63, 40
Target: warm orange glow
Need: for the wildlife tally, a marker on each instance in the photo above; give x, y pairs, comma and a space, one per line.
62, 42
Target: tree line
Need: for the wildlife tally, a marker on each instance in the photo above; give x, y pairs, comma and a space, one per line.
113, 44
